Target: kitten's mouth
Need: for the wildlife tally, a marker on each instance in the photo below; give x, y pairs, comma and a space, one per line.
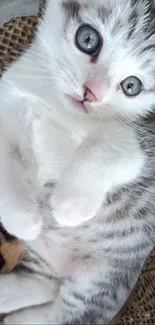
80, 105
83, 103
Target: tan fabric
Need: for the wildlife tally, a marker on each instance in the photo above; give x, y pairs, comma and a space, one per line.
141, 308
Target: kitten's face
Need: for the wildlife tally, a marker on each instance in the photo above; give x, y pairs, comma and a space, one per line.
101, 55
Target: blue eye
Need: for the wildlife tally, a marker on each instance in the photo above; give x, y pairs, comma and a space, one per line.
131, 86
88, 40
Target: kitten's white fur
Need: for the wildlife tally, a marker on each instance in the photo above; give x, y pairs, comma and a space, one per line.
45, 138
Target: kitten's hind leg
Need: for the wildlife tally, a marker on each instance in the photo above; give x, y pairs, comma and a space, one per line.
85, 298
24, 290
34, 315
19, 210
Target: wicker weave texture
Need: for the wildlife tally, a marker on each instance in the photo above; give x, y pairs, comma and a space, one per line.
14, 36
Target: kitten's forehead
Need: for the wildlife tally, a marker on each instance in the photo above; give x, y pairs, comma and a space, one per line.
136, 18
94, 9
107, 4
71, 8
125, 25
141, 7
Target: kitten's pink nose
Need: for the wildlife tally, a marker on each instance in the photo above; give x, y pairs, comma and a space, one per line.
94, 90
89, 95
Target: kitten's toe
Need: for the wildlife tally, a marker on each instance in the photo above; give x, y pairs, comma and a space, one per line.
32, 231
9, 320
23, 226
17, 318
71, 213
33, 315
72, 206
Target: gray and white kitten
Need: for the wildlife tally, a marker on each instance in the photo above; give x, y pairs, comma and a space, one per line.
78, 161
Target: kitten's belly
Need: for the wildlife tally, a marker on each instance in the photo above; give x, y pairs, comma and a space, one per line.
61, 257
60, 253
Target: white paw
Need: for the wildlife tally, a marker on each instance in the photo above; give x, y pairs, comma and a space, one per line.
32, 315
23, 225
20, 317
12, 319
6, 288
72, 209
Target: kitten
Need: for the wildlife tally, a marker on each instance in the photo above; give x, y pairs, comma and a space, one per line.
77, 161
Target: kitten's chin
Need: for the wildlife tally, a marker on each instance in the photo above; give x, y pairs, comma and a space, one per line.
86, 110
83, 109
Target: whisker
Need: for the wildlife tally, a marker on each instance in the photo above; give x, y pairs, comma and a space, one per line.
25, 67
42, 85
133, 126
33, 77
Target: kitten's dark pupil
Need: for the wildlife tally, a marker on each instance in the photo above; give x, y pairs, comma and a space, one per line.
88, 40
130, 85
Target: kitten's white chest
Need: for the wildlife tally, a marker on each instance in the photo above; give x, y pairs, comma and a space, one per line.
54, 147
58, 252
62, 252
61, 255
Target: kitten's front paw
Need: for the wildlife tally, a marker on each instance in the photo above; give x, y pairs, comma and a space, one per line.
23, 225
20, 318
71, 208
13, 319
32, 315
